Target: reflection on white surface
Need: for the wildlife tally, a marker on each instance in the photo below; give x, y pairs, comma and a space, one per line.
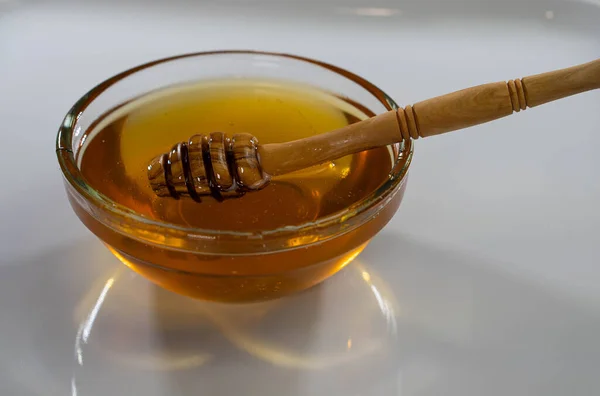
459, 326
139, 325
87, 325
386, 302
134, 324
164, 361
124, 320
367, 324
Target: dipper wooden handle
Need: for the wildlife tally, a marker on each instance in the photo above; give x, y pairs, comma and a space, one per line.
450, 112
219, 165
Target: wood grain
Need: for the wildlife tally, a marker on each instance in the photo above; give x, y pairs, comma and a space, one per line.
461, 109
488, 102
281, 158
547, 87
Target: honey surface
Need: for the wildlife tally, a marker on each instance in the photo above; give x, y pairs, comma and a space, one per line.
117, 151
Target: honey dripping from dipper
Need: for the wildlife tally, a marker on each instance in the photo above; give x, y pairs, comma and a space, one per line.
200, 140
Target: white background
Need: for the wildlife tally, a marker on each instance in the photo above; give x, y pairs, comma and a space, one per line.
485, 282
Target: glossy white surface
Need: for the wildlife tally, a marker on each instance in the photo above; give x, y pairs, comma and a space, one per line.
485, 282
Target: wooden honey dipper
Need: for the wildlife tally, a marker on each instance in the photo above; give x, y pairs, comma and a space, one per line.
227, 167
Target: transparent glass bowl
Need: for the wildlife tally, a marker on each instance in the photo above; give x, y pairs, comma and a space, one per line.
229, 266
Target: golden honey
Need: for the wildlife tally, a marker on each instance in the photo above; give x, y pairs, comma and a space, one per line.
117, 148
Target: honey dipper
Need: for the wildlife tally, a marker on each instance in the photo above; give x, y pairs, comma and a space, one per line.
227, 167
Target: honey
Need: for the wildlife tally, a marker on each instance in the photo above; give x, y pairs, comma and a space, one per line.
114, 156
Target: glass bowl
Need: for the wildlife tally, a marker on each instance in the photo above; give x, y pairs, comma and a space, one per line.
229, 266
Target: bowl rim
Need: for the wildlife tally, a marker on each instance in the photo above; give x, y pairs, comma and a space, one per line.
72, 174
